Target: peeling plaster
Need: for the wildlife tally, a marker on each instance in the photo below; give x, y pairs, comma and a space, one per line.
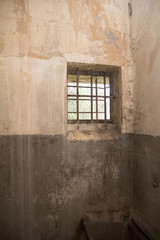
112, 39
31, 33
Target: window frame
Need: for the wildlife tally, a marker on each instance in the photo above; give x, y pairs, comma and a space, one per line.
92, 73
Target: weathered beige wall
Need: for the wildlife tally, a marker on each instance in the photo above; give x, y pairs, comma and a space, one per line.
145, 43
37, 39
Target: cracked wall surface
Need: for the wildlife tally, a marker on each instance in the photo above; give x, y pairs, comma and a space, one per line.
145, 42
37, 39
48, 180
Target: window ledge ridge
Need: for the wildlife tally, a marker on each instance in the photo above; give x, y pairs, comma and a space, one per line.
95, 135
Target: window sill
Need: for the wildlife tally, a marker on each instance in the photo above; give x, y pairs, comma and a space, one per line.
87, 132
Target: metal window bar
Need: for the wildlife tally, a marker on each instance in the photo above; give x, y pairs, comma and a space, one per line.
111, 95
81, 72
85, 87
88, 121
105, 113
96, 101
77, 98
91, 97
85, 99
85, 112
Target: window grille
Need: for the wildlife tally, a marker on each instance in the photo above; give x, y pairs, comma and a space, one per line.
89, 96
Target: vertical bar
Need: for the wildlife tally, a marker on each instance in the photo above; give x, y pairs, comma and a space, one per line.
105, 111
77, 98
111, 94
96, 101
91, 96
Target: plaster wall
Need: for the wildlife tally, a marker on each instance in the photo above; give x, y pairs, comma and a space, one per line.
48, 180
47, 183
145, 45
37, 39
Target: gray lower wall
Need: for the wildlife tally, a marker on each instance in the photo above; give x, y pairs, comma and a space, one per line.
146, 180
48, 182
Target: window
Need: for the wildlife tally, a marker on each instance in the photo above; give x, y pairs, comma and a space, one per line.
89, 96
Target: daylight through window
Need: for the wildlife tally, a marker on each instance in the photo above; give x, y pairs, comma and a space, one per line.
89, 96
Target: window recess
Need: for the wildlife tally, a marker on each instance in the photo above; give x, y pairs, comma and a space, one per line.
89, 96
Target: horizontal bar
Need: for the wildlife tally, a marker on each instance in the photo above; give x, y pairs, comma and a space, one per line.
85, 112
89, 121
71, 95
94, 73
86, 87
100, 100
